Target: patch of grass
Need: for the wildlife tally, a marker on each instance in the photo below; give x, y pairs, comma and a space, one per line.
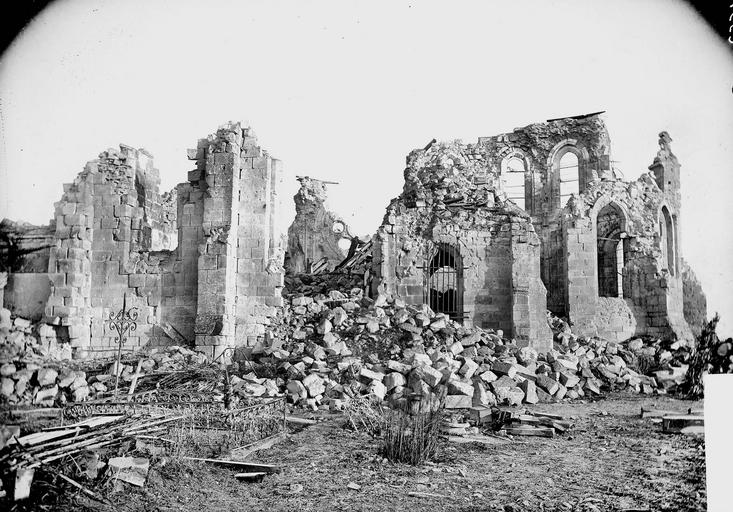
410, 432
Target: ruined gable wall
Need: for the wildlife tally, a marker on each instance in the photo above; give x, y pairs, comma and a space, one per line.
449, 197
649, 300
311, 236
128, 227
537, 145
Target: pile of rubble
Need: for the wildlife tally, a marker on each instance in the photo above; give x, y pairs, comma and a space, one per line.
20, 338
326, 349
333, 347
26, 378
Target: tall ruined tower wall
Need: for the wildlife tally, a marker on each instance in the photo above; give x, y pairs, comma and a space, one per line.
200, 265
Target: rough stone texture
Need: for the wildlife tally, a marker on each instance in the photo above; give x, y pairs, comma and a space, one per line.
609, 254
205, 259
451, 204
311, 236
694, 306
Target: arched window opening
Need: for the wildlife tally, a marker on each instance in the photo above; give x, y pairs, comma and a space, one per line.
569, 171
443, 290
512, 178
610, 236
667, 241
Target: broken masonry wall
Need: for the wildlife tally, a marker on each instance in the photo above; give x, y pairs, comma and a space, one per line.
695, 308
228, 278
540, 146
529, 303
179, 285
649, 294
311, 236
217, 265
128, 230
449, 199
69, 265
260, 242
106, 225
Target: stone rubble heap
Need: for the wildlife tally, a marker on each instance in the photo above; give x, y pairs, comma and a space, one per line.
327, 349
331, 348
36, 369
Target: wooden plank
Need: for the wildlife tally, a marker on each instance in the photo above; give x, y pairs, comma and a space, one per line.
299, 421
478, 439
547, 415
42, 437
532, 431
94, 421
248, 476
656, 413
252, 467
262, 444
676, 423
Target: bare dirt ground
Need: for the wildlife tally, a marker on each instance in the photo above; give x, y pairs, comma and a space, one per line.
611, 460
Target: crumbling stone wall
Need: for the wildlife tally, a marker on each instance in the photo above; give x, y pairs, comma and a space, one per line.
311, 236
201, 264
694, 306
450, 200
610, 219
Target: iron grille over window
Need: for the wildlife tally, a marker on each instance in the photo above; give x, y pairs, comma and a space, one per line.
443, 281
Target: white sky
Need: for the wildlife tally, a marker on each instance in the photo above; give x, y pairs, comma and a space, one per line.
344, 90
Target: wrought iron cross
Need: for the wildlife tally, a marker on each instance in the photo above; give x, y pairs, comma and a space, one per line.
124, 322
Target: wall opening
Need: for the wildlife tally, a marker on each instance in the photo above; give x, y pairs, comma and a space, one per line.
611, 239
512, 178
569, 171
443, 288
667, 240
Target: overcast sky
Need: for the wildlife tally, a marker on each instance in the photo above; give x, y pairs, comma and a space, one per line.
342, 91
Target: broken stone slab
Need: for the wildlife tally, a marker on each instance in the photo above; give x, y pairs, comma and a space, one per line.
46, 376
377, 389
468, 369
488, 376
457, 387
296, 389
458, 402
46, 395
393, 380
471, 339
370, 375
548, 384
133, 470
314, 384
482, 397
569, 380
502, 368
396, 366
530, 391
7, 387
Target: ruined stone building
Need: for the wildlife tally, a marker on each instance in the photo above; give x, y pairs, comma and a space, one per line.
200, 264
492, 234
314, 235
495, 233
